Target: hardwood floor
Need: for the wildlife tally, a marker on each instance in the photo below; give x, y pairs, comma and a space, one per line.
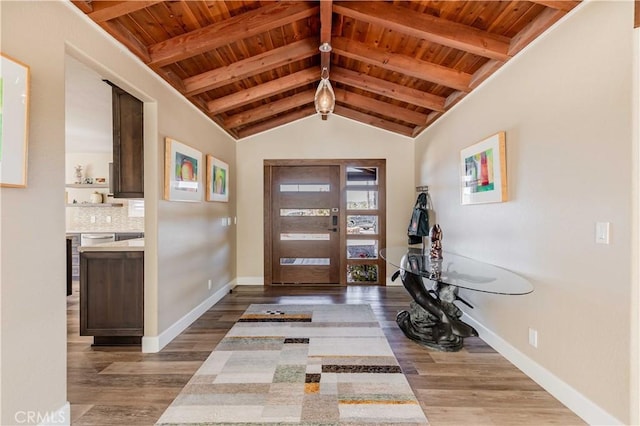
475, 386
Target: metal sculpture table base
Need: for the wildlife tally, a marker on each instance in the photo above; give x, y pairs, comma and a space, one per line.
433, 319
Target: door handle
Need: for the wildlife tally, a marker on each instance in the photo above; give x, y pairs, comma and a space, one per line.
333, 229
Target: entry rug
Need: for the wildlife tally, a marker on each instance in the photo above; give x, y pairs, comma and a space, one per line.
299, 364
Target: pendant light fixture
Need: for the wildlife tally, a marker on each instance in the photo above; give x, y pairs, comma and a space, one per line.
325, 98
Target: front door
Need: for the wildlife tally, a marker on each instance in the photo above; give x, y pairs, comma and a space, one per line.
305, 229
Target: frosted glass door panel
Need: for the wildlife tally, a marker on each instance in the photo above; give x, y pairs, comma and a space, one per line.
362, 200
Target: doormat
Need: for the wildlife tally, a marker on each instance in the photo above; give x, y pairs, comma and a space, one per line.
303, 365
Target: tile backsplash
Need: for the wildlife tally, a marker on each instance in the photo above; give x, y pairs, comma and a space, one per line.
103, 219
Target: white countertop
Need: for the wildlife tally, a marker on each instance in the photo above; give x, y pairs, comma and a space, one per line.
103, 231
136, 244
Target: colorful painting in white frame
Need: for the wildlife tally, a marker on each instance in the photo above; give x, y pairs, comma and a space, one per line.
14, 122
483, 171
182, 172
217, 179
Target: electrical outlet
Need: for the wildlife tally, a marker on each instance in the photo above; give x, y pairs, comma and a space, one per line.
209, 284
93, 219
235, 220
108, 218
533, 337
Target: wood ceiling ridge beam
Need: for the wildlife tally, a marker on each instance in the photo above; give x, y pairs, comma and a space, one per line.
221, 33
373, 121
278, 121
564, 5
424, 26
540, 24
238, 99
250, 66
403, 64
270, 109
388, 89
326, 13
380, 107
106, 11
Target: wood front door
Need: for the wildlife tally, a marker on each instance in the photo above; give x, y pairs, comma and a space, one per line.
305, 227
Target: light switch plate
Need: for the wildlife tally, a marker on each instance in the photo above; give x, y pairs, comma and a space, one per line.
602, 232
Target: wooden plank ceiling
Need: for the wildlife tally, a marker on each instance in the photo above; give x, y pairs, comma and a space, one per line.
255, 65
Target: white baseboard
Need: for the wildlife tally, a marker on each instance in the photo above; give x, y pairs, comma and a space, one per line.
574, 400
260, 281
396, 283
152, 344
60, 417
250, 280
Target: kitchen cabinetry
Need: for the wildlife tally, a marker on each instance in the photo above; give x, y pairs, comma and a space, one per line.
75, 255
121, 236
128, 153
69, 266
112, 296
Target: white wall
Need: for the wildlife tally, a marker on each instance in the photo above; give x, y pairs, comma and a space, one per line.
565, 105
635, 252
312, 138
184, 243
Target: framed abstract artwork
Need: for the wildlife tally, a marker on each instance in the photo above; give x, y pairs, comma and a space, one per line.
14, 122
483, 171
217, 180
182, 172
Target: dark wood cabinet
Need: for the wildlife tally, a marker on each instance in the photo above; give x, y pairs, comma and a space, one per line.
112, 296
121, 236
128, 151
75, 255
69, 265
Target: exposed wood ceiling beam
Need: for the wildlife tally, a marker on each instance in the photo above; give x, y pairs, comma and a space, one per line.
239, 27
251, 66
484, 72
564, 5
428, 27
380, 107
326, 13
83, 5
278, 121
265, 90
120, 33
269, 110
373, 121
388, 89
107, 10
536, 27
402, 64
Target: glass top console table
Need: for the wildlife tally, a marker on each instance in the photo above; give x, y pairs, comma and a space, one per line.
433, 319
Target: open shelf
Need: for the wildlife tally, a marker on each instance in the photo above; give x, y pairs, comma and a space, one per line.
94, 205
87, 185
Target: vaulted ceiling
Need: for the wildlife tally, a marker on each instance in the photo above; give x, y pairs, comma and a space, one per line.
255, 65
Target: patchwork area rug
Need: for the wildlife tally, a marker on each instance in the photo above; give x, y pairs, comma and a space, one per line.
299, 364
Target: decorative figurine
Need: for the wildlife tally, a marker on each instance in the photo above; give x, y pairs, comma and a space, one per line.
435, 235
78, 169
435, 270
